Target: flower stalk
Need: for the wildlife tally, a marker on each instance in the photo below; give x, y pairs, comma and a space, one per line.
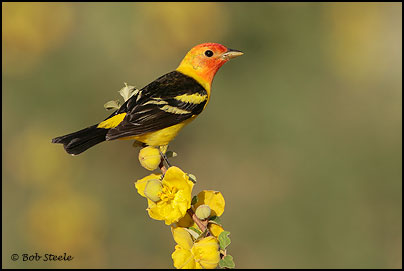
203, 225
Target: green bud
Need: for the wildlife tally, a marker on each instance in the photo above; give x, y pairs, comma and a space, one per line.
153, 189
203, 212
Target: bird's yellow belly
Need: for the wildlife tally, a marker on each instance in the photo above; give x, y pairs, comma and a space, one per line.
161, 137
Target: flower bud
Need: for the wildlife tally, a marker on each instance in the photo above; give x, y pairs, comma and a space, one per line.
149, 158
203, 212
153, 189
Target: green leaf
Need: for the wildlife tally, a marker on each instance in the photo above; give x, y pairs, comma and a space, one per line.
195, 230
224, 239
112, 105
215, 220
193, 233
194, 200
202, 235
227, 262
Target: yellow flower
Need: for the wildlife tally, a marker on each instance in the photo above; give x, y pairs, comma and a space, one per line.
203, 253
214, 199
141, 184
169, 201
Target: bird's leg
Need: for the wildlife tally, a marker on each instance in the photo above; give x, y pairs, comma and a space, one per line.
162, 167
164, 159
163, 150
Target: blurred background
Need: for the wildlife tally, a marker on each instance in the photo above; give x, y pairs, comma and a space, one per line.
303, 134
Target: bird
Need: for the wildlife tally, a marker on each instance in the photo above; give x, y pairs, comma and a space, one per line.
156, 113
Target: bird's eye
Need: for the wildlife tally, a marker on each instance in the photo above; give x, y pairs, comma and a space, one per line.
208, 53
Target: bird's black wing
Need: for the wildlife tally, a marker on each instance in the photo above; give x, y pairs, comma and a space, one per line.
169, 100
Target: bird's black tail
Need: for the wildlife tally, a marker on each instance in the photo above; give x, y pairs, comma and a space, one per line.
77, 142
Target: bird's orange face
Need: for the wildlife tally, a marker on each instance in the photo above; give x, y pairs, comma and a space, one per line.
204, 60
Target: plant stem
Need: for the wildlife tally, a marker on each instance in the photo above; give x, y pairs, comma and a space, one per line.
202, 224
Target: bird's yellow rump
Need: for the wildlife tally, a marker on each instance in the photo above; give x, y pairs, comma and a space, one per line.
112, 122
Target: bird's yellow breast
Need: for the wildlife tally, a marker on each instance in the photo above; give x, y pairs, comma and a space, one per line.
161, 137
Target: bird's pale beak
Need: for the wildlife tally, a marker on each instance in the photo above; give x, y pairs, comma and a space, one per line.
231, 53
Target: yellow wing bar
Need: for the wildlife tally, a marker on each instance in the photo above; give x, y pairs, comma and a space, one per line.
191, 98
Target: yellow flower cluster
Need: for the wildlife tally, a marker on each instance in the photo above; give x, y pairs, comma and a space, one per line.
169, 199
191, 250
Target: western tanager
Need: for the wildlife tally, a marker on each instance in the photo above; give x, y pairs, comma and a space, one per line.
157, 112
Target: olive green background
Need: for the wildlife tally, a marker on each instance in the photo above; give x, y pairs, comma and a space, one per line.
303, 134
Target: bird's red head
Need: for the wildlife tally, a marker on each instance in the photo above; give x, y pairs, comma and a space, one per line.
204, 60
